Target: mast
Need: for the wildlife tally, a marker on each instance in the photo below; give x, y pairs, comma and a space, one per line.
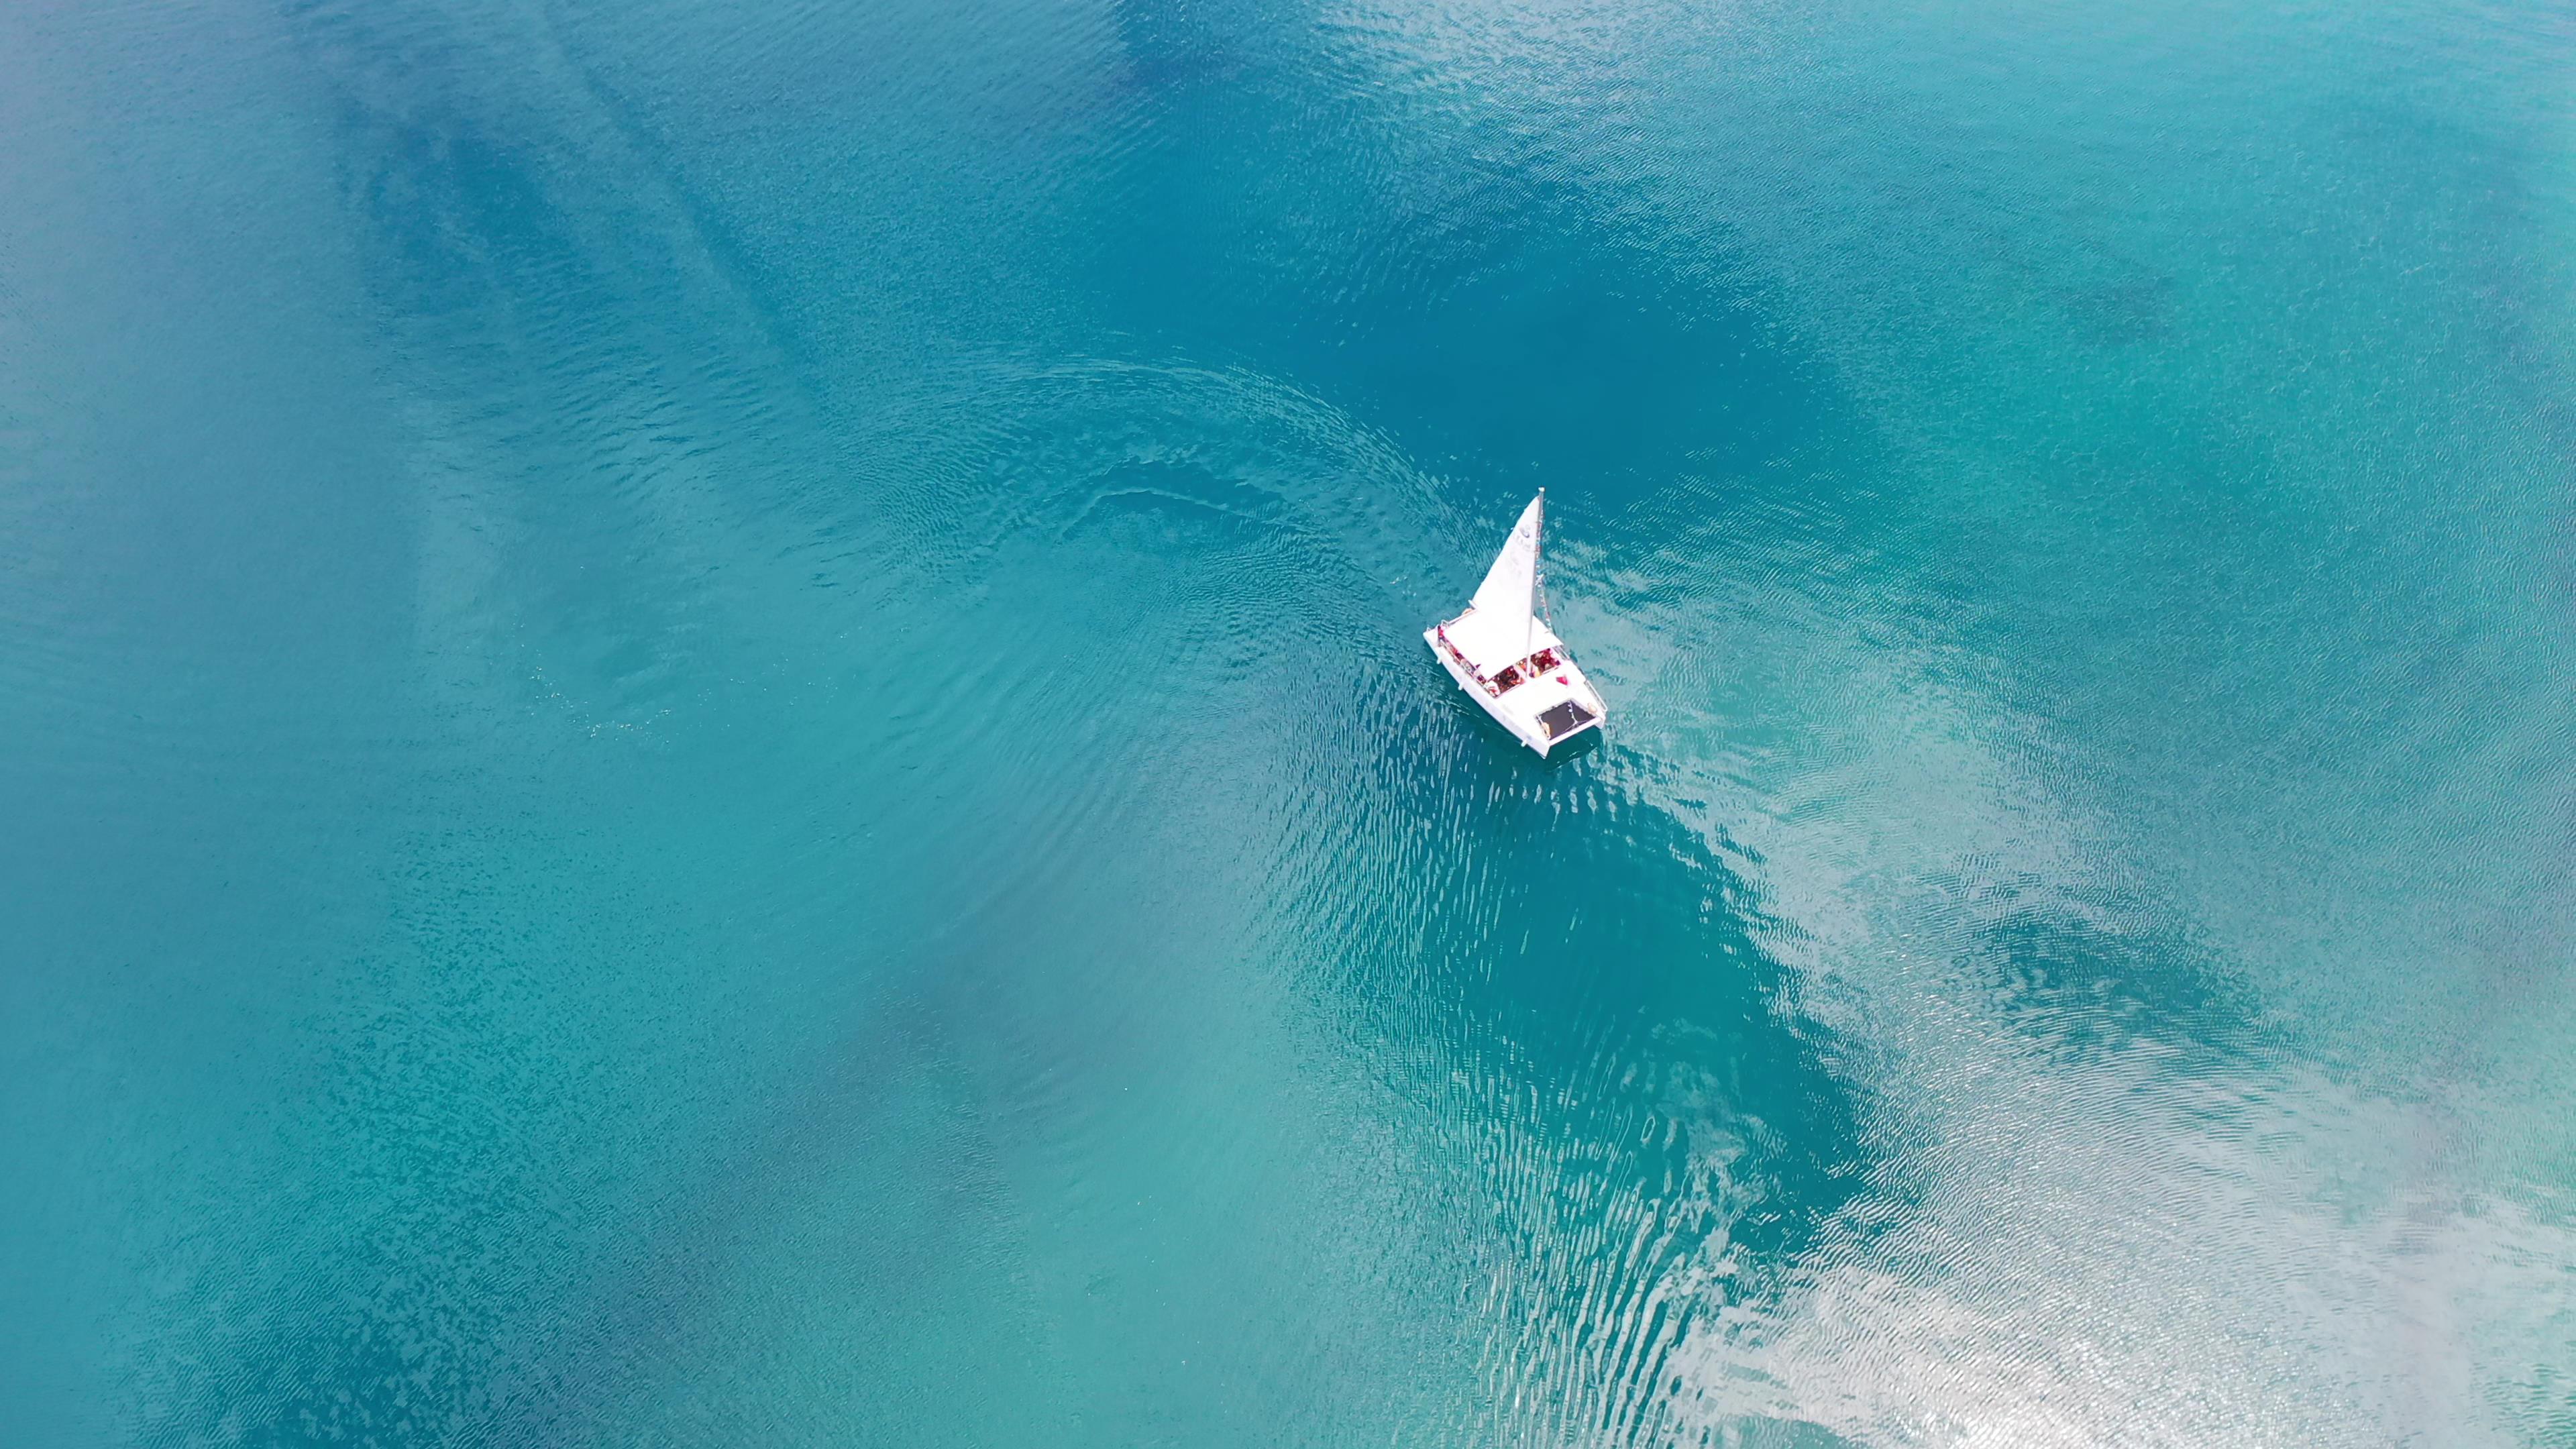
1538, 575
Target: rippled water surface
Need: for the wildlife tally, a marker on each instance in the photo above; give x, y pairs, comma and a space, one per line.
713, 731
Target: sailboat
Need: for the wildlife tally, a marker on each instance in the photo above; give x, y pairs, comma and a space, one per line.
1502, 652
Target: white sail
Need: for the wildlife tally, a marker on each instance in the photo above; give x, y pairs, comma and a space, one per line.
1507, 599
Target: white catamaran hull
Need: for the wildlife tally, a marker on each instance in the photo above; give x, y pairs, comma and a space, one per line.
1524, 716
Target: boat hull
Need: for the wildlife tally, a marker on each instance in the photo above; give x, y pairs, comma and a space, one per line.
1525, 726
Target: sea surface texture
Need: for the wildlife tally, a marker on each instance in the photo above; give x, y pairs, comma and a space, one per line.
713, 727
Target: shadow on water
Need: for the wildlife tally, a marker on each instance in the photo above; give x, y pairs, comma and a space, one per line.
1597, 955
2082, 987
1581, 747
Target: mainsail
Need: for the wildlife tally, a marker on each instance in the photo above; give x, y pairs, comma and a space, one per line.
1505, 600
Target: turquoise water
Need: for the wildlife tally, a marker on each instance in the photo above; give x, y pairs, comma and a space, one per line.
713, 730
